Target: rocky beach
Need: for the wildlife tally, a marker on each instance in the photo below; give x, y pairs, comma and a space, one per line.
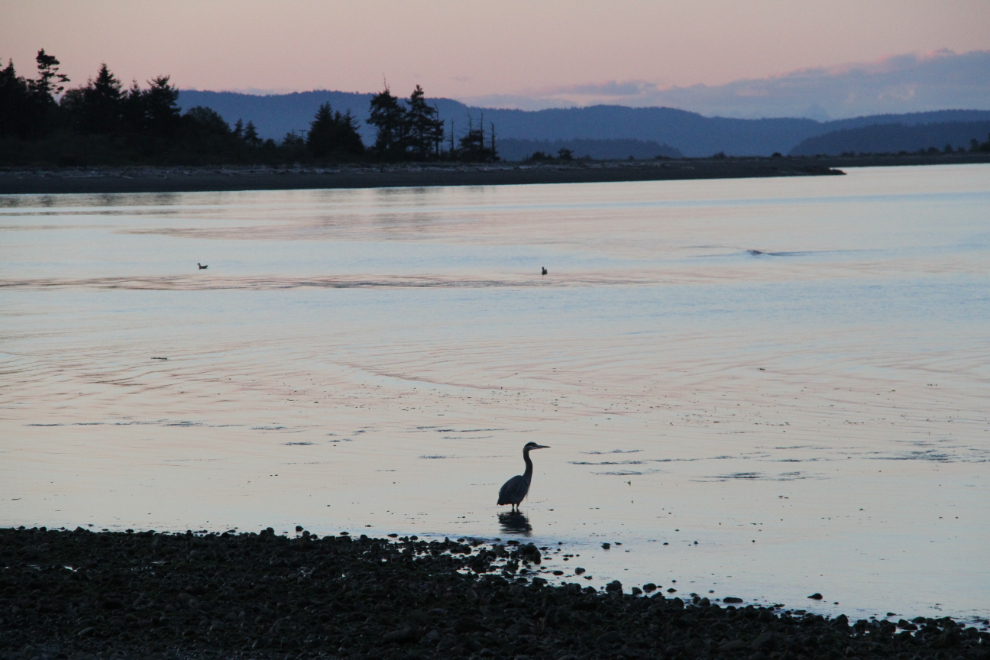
83, 595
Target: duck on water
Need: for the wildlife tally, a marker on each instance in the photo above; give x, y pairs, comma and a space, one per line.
514, 490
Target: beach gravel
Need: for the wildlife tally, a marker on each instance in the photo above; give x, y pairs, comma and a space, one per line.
79, 595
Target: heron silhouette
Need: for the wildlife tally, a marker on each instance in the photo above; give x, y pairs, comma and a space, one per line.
544, 270
514, 490
201, 266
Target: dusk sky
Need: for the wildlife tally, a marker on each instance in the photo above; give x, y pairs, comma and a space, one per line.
509, 52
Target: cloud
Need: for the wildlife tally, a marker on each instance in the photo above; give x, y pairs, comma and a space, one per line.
517, 102
610, 88
915, 82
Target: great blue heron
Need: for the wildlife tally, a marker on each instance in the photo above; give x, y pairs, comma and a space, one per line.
544, 270
515, 489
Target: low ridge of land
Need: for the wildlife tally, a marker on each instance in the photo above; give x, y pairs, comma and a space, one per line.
200, 179
184, 179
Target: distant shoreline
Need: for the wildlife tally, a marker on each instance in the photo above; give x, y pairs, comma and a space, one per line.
143, 179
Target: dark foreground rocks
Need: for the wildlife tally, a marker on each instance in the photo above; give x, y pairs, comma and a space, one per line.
81, 595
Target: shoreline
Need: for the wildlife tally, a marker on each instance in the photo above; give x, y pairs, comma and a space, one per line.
160, 179
229, 179
87, 595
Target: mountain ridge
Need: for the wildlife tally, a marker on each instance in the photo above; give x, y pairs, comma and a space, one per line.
690, 133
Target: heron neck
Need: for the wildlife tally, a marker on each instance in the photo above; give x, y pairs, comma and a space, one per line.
528, 475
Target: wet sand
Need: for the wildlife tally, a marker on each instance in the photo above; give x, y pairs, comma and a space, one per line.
85, 595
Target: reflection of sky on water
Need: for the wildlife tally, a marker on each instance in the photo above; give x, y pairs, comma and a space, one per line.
792, 373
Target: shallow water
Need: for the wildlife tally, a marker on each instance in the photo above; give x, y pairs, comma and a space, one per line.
793, 373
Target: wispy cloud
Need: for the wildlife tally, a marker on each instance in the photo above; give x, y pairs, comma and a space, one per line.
915, 82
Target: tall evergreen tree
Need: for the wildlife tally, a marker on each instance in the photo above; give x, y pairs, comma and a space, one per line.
389, 118
425, 128
15, 103
132, 109
49, 81
251, 134
98, 107
161, 109
332, 133
43, 89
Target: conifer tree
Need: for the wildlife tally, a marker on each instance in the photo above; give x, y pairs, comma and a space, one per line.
332, 133
43, 115
425, 129
389, 118
251, 134
161, 109
49, 81
15, 103
97, 107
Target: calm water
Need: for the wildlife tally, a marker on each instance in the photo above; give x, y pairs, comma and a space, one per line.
760, 388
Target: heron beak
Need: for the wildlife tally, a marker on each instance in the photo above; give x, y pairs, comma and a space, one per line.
542, 447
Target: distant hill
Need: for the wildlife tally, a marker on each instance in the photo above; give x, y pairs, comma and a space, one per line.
515, 149
278, 114
894, 138
688, 132
909, 119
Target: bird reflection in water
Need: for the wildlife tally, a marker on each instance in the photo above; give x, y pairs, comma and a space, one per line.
514, 522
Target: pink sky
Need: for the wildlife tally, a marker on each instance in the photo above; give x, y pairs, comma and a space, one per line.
462, 49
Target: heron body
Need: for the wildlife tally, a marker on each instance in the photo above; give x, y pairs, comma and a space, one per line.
514, 490
544, 270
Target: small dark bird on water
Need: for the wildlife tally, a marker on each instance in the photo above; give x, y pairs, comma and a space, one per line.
544, 270
201, 266
514, 490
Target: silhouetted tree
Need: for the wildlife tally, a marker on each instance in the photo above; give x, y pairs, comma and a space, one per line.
40, 110
205, 122
49, 81
132, 109
538, 156
15, 104
332, 133
293, 139
251, 134
389, 118
425, 130
161, 108
472, 144
110, 125
97, 107
976, 146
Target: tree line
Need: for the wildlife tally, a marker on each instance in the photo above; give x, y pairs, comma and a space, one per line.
102, 122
